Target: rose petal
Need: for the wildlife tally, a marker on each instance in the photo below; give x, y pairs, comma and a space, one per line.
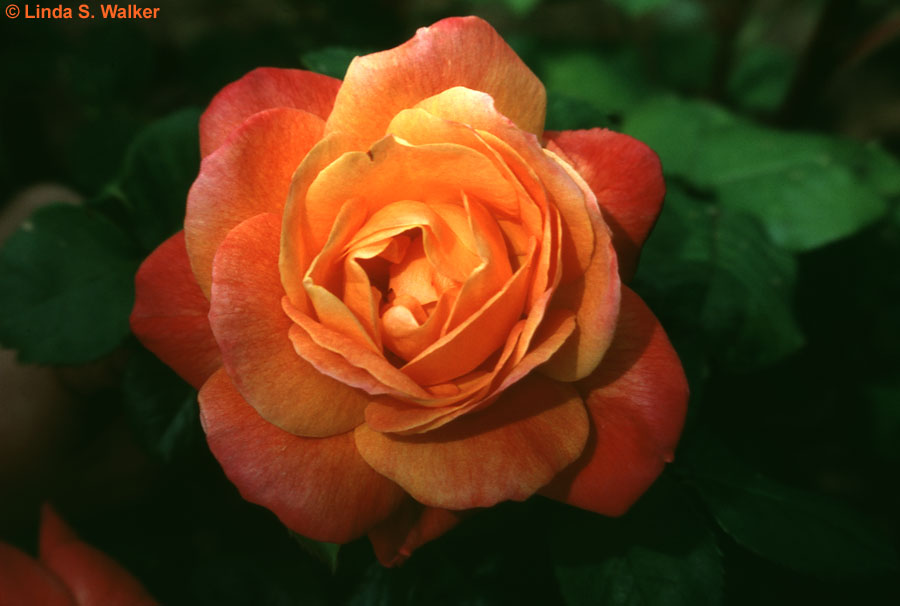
169, 315
252, 331
23, 580
637, 400
410, 527
261, 89
506, 451
594, 297
318, 487
379, 85
627, 179
93, 577
249, 174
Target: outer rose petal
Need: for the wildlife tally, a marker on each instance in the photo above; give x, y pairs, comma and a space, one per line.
23, 581
637, 399
169, 315
252, 331
410, 527
319, 487
379, 85
91, 575
506, 451
264, 88
627, 179
248, 175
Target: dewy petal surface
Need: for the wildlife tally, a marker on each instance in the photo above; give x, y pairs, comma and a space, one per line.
93, 577
261, 89
637, 400
252, 331
247, 175
169, 314
460, 51
626, 176
506, 451
318, 487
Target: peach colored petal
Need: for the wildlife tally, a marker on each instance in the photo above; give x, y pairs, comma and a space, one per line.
261, 89
506, 451
252, 331
595, 299
169, 314
248, 174
93, 577
470, 343
391, 171
410, 527
404, 417
379, 85
318, 487
627, 179
297, 250
515, 146
314, 342
24, 581
637, 400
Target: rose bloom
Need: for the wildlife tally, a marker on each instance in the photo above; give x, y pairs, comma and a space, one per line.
402, 299
69, 573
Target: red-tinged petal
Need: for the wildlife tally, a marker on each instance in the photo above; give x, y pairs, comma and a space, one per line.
169, 315
637, 400
627, 179
247, 175
410, 527
24, 582
506, 451
318, 487
93, 577
264, 88
379, 85
252, 331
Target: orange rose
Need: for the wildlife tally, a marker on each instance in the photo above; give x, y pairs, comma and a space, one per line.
401, 297
69, 573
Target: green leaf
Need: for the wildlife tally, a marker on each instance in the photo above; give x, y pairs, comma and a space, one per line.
327, 553
159, 167
161, 406
798, 529
721, 277
66, 286
660, 553
636, 8
803, 192
610, 83
760, 78
331, 60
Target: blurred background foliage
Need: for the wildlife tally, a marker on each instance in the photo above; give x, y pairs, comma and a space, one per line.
775, 268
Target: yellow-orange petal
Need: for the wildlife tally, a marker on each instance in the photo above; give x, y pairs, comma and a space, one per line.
261, 89
318, 487
595, 300
250, 173
506, 451
379, 85
637, 400
253, 333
